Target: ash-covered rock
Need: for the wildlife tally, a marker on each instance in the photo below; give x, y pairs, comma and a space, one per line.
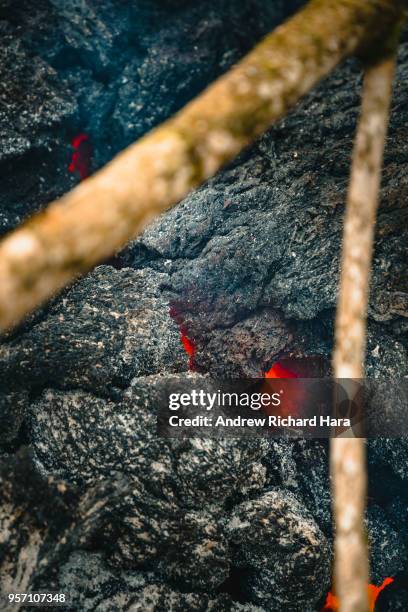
248, 264
161, 597
98, 436
13, 408
394, 598
109, 327
110, 69
167, 521
264, 234
34, 114
263, 531
94, 586
388, 553
302, 467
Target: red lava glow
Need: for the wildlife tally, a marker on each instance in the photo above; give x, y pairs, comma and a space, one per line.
188, 347
278, 371
187, 343
81, 156
293, 397
332, 602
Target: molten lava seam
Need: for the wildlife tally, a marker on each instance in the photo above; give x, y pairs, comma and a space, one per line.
81, 156
278, 371
189, 347
332, 603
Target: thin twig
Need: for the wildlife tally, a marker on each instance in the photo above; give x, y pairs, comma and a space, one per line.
98, 217
348, 463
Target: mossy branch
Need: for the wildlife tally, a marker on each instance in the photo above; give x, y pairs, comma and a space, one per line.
348, 463
98, 217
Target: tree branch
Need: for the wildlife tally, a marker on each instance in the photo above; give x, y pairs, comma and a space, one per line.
99, 216
348, 455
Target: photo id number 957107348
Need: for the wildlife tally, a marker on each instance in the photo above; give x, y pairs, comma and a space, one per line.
40, 598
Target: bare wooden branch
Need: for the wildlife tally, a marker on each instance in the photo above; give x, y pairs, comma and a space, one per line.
98, 217
348, 464
360, 221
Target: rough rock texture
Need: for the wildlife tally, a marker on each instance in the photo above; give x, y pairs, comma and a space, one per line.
97, 587
102, 332
395, 597
263, 236
389, 555
263, 531
246, 268
42, 520
302, 467
392, 453
160, 517
109, 69
34, 113
167, 521
13, 408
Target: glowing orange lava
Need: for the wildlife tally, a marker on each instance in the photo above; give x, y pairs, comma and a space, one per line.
189, 347
332, 602
278, 371
293, 397
187, 344
81, 156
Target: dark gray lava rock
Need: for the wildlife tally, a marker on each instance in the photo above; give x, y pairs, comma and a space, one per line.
158, 598
83, 438
263, 235
397, 515
110, 69
92, 585
254, 343
391, 453
302, 467
33, 102
13, 408
201, 561
33, 513
276, 541
109, 327
394, 598
43, 520
167, 520
249, 265
34, 114
388, 553
178, 60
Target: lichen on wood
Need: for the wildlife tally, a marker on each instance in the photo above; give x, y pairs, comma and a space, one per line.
99, 216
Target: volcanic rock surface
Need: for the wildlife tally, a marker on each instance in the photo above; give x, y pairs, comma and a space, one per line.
92, 502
